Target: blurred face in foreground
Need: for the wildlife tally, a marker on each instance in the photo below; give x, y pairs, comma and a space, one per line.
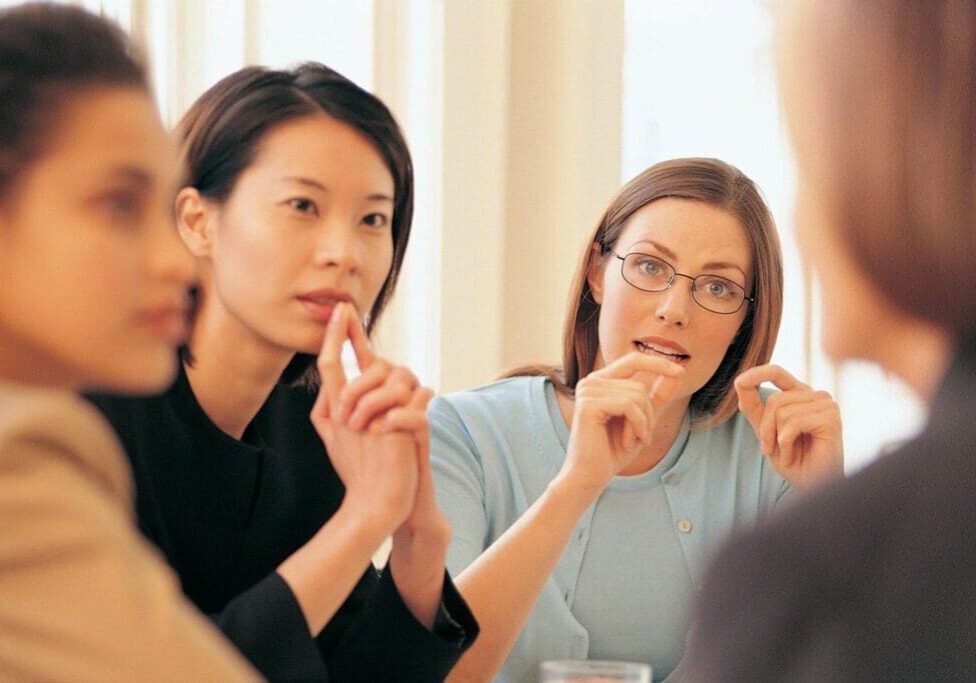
94, 275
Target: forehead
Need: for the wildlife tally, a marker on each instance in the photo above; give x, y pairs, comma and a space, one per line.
102, 130
695, 232
323, 148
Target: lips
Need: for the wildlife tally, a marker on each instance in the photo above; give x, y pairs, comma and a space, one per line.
169, 323
663, 347
321, 302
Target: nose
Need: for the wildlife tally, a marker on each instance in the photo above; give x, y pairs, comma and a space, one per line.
337, 247
675, 302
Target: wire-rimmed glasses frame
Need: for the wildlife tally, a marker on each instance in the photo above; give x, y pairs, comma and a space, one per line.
738, 292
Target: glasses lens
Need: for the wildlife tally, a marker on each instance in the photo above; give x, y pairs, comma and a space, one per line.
646, 272
718, 294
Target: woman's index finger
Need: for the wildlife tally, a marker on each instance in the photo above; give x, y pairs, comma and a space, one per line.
330, 357
360, 343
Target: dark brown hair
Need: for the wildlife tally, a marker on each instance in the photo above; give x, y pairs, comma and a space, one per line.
221, 132
48, 53
711, 182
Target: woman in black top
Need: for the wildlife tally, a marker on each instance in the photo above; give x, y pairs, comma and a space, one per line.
297, 204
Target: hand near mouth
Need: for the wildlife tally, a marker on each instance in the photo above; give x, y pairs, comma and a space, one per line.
378, 468
376, 433
799, 429
614, 412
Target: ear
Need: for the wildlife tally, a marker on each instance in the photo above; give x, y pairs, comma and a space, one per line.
594, 273
194, 216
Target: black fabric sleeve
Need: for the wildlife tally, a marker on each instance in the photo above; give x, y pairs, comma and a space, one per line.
267, 625
387, 643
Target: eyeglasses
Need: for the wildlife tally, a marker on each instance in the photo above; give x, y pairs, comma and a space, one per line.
651, 274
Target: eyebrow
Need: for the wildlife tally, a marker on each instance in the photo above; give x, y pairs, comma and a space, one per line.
711, 265
311, 182
131, 174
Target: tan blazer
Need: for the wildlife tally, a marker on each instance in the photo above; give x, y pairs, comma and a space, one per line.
83, 597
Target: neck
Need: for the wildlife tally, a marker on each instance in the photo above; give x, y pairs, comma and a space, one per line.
233, 370
667, 424
20, 363
918, 352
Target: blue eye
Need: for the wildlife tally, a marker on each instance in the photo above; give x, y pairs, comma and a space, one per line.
651, 267
718, 288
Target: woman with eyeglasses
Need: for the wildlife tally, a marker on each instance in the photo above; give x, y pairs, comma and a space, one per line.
585, 500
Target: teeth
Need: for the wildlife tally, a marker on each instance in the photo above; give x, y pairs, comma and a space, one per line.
659, 349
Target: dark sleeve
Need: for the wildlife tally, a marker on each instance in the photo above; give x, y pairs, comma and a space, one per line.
777, 602
385, 642
733, 633
267, 625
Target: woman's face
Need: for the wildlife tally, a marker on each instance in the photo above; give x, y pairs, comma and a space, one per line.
308, 224
696, 239
94, 276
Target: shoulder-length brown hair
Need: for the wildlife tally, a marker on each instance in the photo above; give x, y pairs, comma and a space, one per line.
717, 184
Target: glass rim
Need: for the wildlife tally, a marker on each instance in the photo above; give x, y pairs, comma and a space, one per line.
595, 666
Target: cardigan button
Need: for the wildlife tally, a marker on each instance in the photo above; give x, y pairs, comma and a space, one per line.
684, 526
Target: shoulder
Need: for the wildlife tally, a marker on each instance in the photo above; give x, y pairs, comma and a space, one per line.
513, 395
60, 429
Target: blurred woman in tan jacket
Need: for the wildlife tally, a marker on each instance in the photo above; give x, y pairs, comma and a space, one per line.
93, 286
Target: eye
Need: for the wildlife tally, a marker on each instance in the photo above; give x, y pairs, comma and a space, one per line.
304, 205
376, 220
123, 207
717, 288
647, 265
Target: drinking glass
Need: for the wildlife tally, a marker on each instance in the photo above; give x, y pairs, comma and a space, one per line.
594, 671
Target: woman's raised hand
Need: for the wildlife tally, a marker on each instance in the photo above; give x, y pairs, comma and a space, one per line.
614, 414
375, 428
799, 429
372, 425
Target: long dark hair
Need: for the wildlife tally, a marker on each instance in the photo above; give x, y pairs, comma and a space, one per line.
221, 132
48, 53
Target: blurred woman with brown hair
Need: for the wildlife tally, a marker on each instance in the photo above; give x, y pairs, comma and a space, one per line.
874, 578
93, 295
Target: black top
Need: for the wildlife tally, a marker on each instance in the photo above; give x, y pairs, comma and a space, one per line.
872, 579
226, 513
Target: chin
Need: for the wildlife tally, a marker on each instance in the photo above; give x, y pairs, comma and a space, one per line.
147, 374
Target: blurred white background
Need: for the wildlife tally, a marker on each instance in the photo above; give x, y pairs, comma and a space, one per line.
523, 117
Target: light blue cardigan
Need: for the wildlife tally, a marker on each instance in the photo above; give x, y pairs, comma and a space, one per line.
495, 449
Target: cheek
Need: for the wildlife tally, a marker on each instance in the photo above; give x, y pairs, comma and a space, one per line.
377, 263
719, 336
619, 312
